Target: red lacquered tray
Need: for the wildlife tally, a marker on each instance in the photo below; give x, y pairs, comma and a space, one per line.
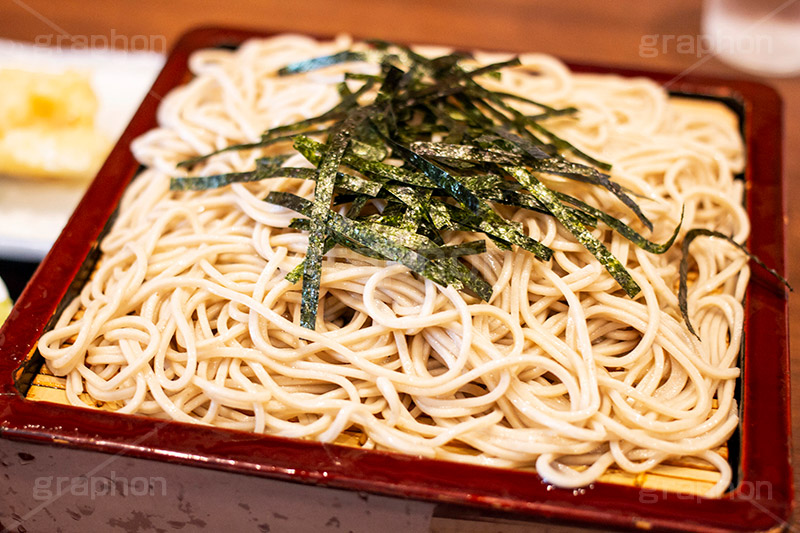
761, 500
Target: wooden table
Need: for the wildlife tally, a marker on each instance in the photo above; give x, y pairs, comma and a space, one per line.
582, 31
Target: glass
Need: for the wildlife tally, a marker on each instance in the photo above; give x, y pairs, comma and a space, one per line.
760, 37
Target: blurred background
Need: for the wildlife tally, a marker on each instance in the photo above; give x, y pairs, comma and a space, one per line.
731, 38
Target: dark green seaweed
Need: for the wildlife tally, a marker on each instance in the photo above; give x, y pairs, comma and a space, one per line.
432, 150
323, 196
445, 270
571, 222
683, 284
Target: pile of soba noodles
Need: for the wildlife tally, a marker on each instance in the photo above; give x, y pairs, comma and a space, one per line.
189, 317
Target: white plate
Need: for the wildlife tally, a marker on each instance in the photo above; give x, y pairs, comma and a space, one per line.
33, 211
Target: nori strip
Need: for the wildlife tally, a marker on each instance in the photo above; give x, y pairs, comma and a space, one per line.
528, 201
338, 112
502, 234
445, 271
560, 143
215, 181
683, 286
567, 111
455, 250
559, 165
357, 185
534, 151
424, 246
343, 180
416, 202
323, 196
490, 68
465, 152
472, 203
481, 183
542, 162
622, 228
264, 169
568, 169
369, 148
307, 65
406, 55
497, 189
550, 199
567, 146
296, 273
313, 150
449, 76
549, 111
246, 146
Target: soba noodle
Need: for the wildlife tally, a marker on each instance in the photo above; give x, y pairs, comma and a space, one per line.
188, 315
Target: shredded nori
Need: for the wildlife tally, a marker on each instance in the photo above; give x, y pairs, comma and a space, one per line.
442, 268
323, 196
683, 284
432, 150
571, 222
316, 63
